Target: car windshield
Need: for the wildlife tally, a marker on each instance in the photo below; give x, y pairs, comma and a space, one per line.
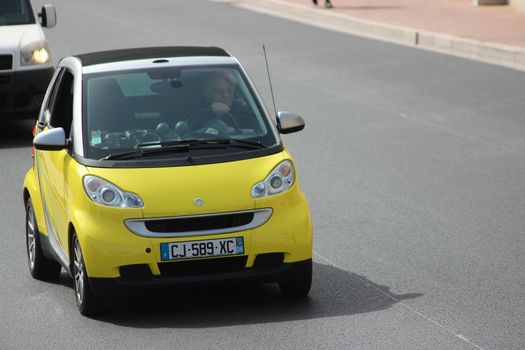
125, 110
13, 12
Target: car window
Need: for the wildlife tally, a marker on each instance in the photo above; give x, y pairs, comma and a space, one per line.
124, 109
13, 12
61, 106
50, 96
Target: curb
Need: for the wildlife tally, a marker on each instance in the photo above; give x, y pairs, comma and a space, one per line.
488, 52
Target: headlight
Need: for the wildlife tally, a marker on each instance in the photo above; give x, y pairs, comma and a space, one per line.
280, 179
103, 192
35, 53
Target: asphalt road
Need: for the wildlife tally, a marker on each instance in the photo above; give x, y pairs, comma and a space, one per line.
414, 166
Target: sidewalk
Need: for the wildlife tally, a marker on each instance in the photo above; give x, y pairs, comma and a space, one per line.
494, 34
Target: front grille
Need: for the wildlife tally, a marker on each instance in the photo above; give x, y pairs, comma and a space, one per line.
6, 61
199, 223
202, 267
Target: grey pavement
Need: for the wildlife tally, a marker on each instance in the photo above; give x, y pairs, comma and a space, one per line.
413, 164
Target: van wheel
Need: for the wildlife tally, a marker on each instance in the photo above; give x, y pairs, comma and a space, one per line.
298, 288
88, 303
40, 267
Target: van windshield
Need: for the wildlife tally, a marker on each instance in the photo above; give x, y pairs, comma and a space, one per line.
13, 12
124, 110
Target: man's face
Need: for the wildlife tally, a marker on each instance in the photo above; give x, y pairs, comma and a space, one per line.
220, 90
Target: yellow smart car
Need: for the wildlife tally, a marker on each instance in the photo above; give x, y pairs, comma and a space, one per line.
158, 167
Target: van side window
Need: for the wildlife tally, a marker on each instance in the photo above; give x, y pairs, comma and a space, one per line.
61, 106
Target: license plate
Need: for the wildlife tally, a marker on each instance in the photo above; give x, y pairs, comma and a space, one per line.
202, 249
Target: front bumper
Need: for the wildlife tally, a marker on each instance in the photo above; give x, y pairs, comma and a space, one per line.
23, 91
119, 287
107, 244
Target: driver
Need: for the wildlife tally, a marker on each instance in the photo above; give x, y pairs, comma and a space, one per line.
219, 91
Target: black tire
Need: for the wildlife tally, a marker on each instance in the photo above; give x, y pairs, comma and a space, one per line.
40, 267
88, 303
298, 288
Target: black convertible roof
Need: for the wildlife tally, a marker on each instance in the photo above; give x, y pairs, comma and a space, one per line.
89, 59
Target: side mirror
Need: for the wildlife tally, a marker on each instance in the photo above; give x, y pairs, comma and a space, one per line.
51, 140
48, 16
288, 122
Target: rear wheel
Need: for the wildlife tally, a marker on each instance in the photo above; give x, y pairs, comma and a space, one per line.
40, 267
298, 287
88, 303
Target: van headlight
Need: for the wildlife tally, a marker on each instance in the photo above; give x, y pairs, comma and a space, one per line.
35, 53
104, 192
280, 179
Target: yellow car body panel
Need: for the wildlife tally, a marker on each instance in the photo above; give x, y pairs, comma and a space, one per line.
54, 173
290, 228
169, 192
33, 191
105, 241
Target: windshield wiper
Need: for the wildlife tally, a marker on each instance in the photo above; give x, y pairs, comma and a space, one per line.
171, 146
206, 142
143, 151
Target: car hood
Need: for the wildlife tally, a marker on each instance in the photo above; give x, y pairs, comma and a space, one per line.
174, 191
17, 36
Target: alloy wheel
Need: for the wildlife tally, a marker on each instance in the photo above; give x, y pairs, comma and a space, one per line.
31, 237
78, 270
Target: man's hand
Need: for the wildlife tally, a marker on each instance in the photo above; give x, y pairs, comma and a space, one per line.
220, 108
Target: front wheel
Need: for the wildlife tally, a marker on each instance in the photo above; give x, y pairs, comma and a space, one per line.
40, 267
88, 303
298, 288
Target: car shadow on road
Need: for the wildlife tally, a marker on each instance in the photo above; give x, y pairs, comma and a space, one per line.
17, 133
335, 292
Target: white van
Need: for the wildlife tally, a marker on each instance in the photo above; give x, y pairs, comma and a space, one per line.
25, 61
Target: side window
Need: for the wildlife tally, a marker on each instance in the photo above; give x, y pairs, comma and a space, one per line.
61, 107
50, 95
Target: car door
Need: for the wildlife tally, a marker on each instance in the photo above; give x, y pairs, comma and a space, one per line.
52, 165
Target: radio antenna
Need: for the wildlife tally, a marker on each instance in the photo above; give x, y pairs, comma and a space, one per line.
269, 80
